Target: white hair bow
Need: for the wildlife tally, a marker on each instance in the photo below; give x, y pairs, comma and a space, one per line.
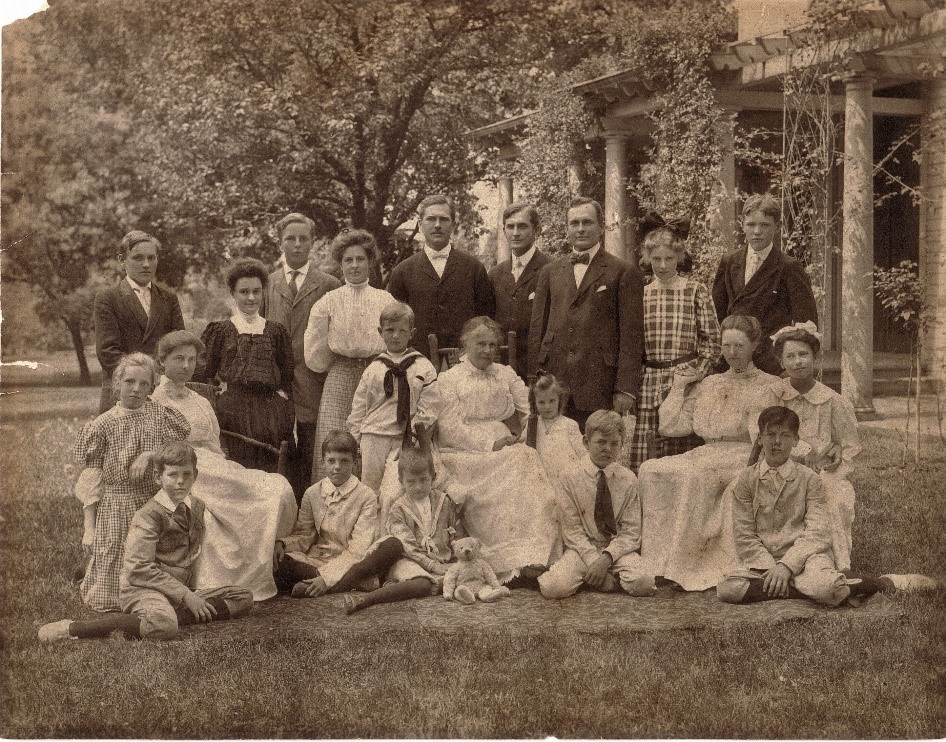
810, 327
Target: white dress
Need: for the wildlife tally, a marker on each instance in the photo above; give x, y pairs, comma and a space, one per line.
246, 509
559, 445
509, 503
826, 419
687, 532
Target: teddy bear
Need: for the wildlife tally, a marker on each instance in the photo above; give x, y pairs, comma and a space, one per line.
471, 577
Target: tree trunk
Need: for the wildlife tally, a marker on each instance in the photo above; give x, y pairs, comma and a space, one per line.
75, 332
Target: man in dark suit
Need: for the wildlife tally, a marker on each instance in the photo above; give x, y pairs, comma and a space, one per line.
293, 289
445, 287
588, 320
761, 281
135, 313
514, 279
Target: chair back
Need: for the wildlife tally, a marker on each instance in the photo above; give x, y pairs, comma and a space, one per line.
444, 358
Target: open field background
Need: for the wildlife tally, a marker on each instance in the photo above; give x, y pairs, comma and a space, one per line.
842, 675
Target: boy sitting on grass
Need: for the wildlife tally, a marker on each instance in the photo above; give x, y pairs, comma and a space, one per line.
601, 519
160, 550
782, 530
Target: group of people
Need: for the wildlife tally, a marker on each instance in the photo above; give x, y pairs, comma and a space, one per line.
645, 437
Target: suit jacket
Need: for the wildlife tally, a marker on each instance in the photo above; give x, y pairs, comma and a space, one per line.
442, 304
293, 314
122, 327
590, 337
778, 294
514, 301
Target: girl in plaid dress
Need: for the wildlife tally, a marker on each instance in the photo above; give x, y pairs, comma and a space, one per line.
680, 328
117, 478
343, 336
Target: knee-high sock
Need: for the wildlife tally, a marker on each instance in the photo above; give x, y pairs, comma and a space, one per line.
105, 625
376, 564
755, 593
870, 585
186, 618
416, 587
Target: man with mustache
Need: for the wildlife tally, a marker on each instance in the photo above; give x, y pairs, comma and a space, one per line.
445, 287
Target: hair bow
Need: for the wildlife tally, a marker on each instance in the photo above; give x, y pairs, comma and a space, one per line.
808, 326
651, 221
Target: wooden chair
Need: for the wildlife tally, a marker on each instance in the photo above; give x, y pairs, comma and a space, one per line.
209, 392
444, 358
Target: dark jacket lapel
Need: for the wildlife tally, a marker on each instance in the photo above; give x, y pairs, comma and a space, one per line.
132, 304
595, 269
737, 270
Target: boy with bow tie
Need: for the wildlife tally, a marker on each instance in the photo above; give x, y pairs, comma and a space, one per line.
160, 551
396, 390
601, 519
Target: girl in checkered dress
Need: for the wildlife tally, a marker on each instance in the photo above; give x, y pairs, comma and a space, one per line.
117, 478
680, 328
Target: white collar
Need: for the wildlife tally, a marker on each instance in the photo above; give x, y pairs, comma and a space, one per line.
590, 252
328, 489
524, 258
397, 357
164, 499
435, 254
248, 325
490, 370
762, 254
358, 286
303, 271
818, 394
592, 470
137, 286
786, 470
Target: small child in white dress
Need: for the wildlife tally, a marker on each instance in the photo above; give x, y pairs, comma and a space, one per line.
555, 438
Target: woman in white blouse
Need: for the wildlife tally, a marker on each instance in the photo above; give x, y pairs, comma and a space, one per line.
508, 500
342, 337
246, 509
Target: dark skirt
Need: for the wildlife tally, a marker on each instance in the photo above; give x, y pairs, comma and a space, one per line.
265, 417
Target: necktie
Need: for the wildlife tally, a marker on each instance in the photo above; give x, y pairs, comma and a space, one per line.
144, 297
580, 257
604, 508
293, 289
182, 516
752, 264
516, 268
399, 371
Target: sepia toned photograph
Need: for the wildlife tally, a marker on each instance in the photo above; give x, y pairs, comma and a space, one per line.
473, 369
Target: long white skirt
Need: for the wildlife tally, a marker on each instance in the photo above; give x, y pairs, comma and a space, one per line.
687, 525
246, 511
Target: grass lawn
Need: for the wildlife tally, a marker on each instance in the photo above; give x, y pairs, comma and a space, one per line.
833, 677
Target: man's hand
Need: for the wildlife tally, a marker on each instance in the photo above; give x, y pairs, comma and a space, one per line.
624, 404
201, 609
139, 466
279, 551
775, 582
598, 570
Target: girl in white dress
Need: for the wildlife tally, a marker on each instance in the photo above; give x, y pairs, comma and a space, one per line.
687, 531
246, 509
555, 437
509, 502
829, 439
342, 336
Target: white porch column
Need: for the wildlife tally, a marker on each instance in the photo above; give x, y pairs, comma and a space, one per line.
933, 229
504, 188
726, 194
857, 247
615, 194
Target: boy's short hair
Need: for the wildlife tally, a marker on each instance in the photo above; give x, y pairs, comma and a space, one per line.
778, 415
526, 208
174, 453
340, 441
295, 218
764, 202
413, 460
605, 422
395, 311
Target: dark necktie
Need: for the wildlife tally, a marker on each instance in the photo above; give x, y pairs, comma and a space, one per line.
399, 371
580, 257
293, 289
182, 516
604, 509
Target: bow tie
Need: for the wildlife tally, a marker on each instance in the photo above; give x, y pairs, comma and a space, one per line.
580, 257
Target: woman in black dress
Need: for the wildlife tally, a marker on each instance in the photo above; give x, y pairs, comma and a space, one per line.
251, 359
